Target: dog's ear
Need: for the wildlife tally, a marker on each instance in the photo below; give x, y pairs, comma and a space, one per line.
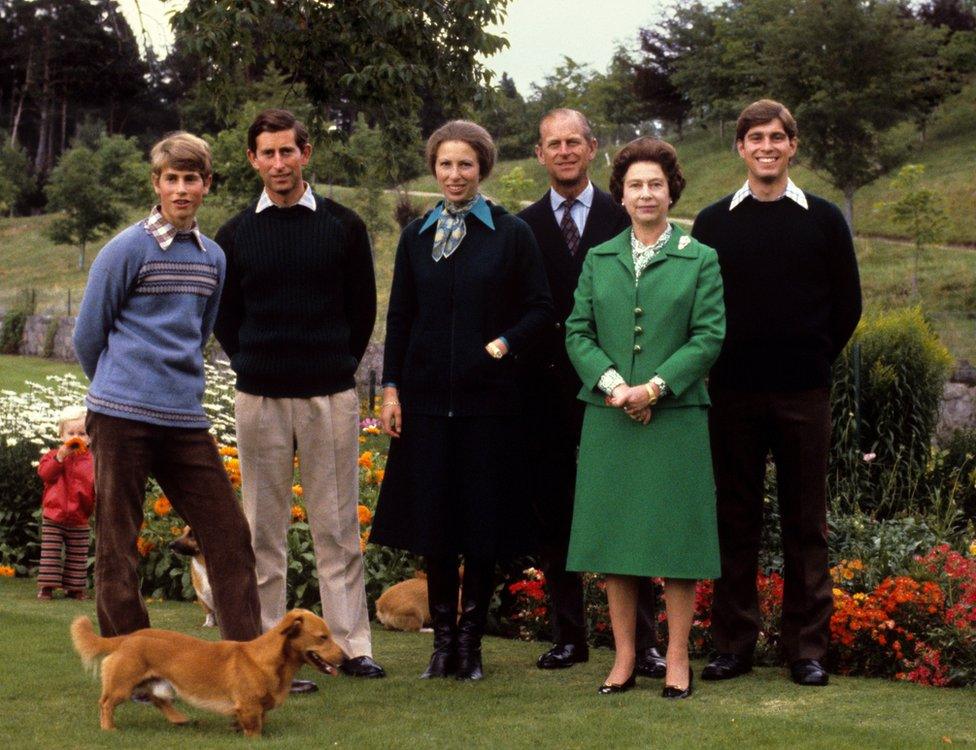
294, 627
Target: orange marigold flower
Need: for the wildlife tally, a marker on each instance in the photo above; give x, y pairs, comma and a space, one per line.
144, 546
162, 506
362, 542
7, 571
379, 475
298, 513
361, 440
365, 515
175, 530
366, 459
296, 490
76, 444
227, 450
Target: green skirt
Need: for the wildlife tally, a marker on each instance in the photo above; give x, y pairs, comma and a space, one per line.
645, 496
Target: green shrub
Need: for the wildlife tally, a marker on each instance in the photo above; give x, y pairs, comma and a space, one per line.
20, 504
888, 385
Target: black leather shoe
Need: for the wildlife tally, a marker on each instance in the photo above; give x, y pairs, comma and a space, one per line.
676, 693
608, 688
302, 687
727, 666
650, 663
808, 672
362, 666
563, 655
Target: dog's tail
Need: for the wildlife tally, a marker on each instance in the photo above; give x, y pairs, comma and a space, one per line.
88, 644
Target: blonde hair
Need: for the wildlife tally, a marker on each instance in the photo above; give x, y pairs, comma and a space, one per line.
181, 151
70, 414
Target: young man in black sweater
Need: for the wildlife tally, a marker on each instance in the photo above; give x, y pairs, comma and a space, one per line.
297, 311
792, 301
573, 216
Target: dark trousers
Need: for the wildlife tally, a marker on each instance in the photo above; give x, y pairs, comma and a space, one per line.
187, 467
795, 428
554, 484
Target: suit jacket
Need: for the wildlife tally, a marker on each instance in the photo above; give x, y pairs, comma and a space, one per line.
605, 220
670, 324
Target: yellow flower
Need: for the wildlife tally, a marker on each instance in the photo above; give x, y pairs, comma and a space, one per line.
175, 530
972, 548
297, 490
228, 450
365, 515
361, 440
162, 506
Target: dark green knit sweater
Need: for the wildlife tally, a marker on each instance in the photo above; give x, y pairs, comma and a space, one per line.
299, 302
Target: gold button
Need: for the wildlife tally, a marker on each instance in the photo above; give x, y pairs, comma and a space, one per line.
637, 348
638, 311
638, 330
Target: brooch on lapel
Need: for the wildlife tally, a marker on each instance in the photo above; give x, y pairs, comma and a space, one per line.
684, 242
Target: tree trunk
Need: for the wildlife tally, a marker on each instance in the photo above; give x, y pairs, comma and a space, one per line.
42, 156
848, 209
23, 95
81, 257
64, 123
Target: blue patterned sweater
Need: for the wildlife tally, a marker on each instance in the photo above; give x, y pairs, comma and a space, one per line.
144, 319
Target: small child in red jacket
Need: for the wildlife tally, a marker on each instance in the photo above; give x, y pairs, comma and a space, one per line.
69, 498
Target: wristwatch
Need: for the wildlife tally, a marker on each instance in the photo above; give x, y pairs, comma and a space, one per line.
495, 350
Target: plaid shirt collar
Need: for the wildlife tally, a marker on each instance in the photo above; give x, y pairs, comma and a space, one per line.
792, 192
164, 233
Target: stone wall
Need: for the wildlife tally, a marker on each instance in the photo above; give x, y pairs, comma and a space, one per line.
36, 331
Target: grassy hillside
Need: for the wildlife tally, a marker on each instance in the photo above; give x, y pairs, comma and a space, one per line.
28, 260
713, 169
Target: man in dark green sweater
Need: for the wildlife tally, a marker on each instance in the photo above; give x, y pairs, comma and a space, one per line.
297, 311
792, 301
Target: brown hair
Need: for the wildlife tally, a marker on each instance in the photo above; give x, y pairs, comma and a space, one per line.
585, 130
181, 151
761, 112
647, 149
274, 121
469, 132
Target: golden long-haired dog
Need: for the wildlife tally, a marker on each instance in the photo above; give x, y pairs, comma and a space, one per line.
239, 679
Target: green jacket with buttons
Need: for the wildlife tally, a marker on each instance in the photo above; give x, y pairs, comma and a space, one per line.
671, 323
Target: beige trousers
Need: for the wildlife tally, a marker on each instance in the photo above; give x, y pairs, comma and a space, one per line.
325, 430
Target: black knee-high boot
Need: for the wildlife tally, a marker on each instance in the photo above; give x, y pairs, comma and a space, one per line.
442, 597
476, 590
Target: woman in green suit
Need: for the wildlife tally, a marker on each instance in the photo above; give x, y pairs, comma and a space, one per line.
648, 323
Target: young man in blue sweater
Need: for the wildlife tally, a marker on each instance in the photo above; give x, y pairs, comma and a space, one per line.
148, 310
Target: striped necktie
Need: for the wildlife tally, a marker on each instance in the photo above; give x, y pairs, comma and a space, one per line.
568, 227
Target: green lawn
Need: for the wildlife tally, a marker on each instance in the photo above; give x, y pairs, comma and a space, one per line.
15, 370
48, 702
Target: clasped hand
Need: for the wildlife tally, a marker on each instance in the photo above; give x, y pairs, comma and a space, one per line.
633, 399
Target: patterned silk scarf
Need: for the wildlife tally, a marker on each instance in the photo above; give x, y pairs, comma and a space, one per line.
451, 228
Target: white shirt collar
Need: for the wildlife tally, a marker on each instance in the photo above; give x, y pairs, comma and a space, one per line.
792, 192
586, 197
307, 200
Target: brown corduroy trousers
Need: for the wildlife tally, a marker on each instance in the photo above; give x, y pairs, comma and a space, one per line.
188, 468
795, 427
